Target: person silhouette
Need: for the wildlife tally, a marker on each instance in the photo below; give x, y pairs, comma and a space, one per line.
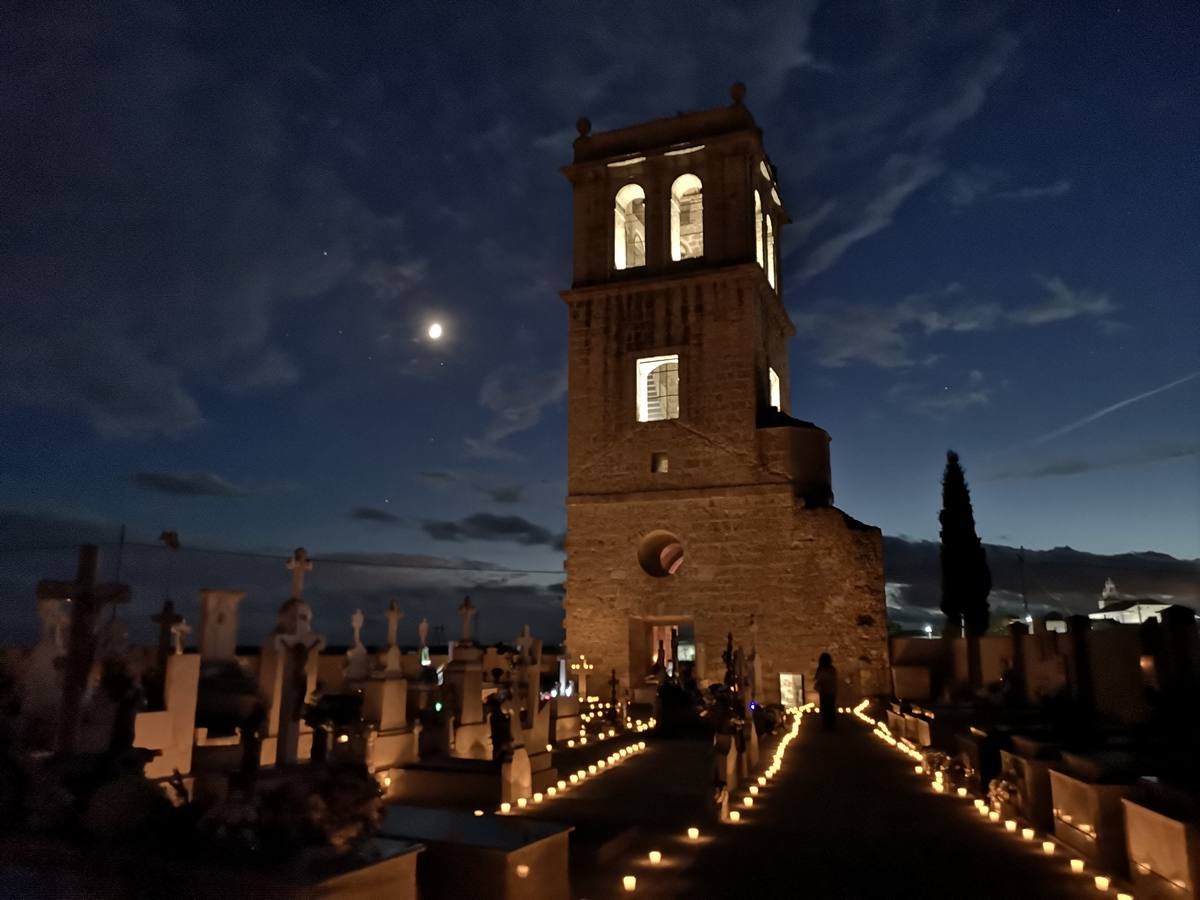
826, 683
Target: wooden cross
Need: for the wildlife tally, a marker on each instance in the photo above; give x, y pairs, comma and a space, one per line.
87, 599
298, 565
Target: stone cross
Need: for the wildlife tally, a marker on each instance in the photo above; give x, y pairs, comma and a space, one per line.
179, 631
356, 623
298, 565
394, 615
467, 610
613, 682
166, 621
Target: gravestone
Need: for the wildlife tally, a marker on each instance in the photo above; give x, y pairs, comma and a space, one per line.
219, 624
41, 676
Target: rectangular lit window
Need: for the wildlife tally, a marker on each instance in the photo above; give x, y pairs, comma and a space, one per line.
776, 392
658, 388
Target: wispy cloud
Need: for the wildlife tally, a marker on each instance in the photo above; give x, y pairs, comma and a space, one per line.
981, 184
885, 335
189, 484
489, 527
1109, 410
373, 515
942, 401
516, 398
903, 176
1078, 465
898, 106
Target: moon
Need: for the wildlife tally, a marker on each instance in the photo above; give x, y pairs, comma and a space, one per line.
435, 331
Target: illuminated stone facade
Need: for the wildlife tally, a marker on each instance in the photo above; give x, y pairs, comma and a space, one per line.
714, 509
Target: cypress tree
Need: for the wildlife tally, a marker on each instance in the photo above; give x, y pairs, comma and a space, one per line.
966, 578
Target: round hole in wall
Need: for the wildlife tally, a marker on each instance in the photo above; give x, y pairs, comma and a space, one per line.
660, 554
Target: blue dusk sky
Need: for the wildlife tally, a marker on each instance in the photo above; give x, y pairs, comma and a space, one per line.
225, 230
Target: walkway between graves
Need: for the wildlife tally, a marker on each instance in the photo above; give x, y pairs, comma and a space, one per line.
845, 817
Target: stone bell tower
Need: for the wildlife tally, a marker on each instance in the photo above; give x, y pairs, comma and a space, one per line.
697, 505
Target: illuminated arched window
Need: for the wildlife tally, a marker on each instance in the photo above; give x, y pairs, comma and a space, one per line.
770, 252
758, 227
629, 228
776, 389
687, 218
658, 388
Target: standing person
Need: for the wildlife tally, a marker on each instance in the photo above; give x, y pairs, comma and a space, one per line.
826, 684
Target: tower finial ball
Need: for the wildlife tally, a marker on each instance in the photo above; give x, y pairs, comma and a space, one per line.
738, 92
584, 126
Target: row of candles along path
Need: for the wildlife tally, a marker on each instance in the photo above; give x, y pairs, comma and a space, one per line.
1102, 882
629, 883
653, 857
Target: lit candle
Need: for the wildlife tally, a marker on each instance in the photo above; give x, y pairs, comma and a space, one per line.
522, 802
693, 834
938, 786
479, 812
505, 807
735, 816
537, 796
549, 747
994, 816
762, 780
591, 770
1048, 847
551, 791
1102, 882
983, 811
1010, 826
962, 792
920, 770
561, 784
629, 882
1027, 834
747, 801
601, 763
754, 789
574, 778
1077, 866
522, 871
1124, 896
655, 857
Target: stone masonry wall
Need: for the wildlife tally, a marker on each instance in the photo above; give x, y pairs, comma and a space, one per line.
812, 578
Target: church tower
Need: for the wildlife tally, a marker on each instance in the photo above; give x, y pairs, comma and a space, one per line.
697, 504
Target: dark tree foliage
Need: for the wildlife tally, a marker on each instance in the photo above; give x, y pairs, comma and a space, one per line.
966, 578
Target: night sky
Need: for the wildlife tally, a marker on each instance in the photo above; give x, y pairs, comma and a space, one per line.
224, 235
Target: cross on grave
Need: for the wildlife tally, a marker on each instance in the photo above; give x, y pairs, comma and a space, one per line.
467, 610
298, 565
613, 683
166, 622
179, 631
87, 599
